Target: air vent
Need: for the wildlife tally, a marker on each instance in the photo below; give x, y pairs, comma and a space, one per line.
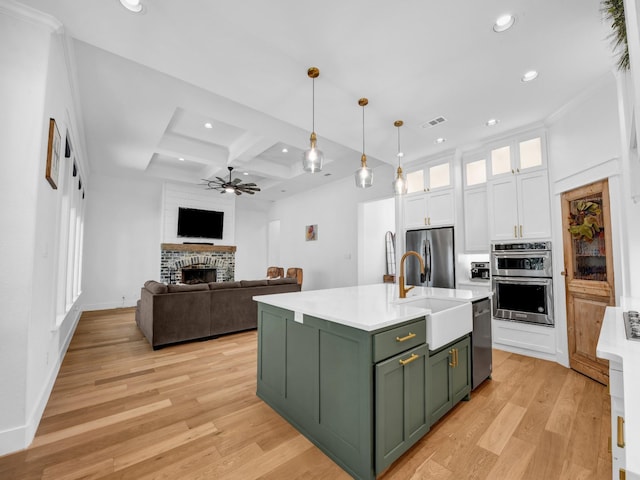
434, 122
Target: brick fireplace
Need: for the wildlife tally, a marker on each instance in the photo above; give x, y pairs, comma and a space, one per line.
200, 262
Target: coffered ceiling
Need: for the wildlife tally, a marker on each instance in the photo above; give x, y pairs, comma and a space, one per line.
149, 82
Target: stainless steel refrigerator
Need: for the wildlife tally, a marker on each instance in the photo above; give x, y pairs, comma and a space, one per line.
435, 245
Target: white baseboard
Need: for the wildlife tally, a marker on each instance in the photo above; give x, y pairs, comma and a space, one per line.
526, 352
108, 306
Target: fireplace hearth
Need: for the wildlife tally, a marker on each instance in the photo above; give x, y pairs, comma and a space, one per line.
198, 274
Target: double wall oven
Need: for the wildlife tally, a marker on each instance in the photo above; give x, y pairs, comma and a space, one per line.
522, 284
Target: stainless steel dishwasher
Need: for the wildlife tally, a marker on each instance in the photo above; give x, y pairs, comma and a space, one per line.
481, 356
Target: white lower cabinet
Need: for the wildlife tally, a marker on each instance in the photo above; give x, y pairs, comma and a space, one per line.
616, 388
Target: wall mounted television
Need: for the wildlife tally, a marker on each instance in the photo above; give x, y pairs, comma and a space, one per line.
196, 223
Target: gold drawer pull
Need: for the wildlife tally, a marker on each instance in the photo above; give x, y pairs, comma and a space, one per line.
620, 432
520, 231
515, 231
404, 339
410, 359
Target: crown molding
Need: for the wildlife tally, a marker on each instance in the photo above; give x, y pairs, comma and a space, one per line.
29, 14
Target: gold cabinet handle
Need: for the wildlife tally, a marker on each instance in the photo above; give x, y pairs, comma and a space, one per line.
454, 357
513, 171
404, 339
425, 220
520, 231
620, 432
409, 360
515, 231
623, 474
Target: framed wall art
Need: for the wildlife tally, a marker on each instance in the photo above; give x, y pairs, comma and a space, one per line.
53, 155
311, 232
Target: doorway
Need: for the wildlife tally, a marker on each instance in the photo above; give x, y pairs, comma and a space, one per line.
588, 271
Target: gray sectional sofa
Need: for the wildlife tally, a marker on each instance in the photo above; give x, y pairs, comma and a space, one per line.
169, 314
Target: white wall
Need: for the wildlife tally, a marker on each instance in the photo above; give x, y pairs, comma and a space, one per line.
191, 196
35, 85
330, 261
122, 240
376, 219
252, 234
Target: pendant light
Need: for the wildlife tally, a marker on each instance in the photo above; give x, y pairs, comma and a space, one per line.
399, 184
364, 175
312, 158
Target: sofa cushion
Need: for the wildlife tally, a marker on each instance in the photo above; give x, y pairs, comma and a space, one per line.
155, 287
187, 288
281, 281
253, 283
223, 285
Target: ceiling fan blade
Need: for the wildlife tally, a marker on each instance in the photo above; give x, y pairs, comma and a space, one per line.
237, 191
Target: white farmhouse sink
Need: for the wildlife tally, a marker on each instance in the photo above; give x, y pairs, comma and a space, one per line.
448, 321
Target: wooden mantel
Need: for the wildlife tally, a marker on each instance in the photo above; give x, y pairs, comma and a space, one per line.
197, 247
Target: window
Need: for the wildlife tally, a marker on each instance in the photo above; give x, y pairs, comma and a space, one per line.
71, 235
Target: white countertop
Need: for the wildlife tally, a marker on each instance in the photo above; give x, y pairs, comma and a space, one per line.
367, 307
614, 346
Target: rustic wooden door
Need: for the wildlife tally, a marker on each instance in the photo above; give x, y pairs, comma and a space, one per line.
588, 274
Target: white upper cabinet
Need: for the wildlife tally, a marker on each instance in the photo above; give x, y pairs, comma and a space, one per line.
430, 196
431, 177
522, 155
475, 210
518, 190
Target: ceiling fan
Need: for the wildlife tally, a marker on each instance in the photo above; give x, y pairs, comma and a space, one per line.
231, 186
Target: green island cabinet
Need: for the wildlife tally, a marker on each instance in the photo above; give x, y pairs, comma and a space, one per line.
449, 377
359, 396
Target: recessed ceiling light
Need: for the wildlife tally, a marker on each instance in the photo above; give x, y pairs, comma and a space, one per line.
503, 23
530, 75
400, 155
208, 125
181, 159
285, 150
440, 140
491, 122
132, 5
245, 173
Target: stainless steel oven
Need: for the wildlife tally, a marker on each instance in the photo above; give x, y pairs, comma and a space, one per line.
521, 281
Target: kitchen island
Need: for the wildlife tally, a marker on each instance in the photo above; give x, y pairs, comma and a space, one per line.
354, 371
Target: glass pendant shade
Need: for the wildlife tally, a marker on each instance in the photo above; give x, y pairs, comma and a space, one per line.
312, 158
364, 175
400, 184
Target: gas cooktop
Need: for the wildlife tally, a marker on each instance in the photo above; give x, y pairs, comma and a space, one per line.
632, 324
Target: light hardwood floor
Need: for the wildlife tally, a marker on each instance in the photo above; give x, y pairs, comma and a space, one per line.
119, 410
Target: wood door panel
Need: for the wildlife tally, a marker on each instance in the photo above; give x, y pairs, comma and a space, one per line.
587, 321
588, 268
